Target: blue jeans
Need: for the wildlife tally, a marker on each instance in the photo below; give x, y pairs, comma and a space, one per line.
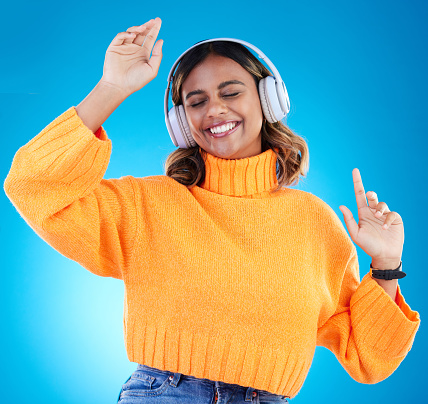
150, 385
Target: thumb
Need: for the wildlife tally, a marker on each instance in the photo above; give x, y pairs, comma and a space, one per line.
350, 222
156, 58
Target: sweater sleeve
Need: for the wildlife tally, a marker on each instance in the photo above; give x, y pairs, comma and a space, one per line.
369, 333
56, 184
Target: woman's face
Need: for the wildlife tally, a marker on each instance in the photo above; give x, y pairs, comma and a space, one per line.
220, 91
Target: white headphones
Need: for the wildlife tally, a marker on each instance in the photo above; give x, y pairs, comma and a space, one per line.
272, 92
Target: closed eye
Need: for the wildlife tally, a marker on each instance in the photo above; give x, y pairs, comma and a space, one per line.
231, 95
225, 95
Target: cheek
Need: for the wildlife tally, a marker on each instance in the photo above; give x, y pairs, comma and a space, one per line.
193, 119
254, 111
252, 104
258, 107
189, 116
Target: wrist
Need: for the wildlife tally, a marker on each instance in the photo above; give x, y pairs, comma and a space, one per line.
99, 104
112, 91
385, 263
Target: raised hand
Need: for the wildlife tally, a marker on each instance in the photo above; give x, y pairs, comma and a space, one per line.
128, 65
380, 235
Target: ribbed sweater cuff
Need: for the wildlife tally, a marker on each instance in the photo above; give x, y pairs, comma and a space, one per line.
371, 305
65, 153
70, 150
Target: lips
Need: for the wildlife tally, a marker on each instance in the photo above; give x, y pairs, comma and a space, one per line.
220, 124
223, 134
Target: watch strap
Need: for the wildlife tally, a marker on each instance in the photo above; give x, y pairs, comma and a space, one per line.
387, 274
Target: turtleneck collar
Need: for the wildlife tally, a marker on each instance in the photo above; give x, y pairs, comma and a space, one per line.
240, 177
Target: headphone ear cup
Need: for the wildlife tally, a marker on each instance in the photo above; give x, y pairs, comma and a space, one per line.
264, 102
185, 129
269, 100
181, 135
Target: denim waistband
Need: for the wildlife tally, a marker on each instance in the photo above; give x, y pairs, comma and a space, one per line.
249, 391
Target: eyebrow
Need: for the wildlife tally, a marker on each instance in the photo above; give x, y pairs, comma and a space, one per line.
220, 86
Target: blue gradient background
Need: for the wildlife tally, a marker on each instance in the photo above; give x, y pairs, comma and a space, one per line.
356, 76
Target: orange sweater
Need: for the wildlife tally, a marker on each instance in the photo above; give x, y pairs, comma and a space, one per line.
228, 281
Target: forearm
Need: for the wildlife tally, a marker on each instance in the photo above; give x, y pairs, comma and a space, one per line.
99, 104
390, 286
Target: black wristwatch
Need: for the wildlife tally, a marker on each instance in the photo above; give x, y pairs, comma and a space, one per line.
387, 274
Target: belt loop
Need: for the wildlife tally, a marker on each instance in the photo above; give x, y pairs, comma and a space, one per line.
250, 394
174, 379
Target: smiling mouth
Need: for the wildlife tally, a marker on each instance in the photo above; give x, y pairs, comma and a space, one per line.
225, 133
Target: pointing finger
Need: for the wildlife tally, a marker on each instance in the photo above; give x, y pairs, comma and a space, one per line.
360, 195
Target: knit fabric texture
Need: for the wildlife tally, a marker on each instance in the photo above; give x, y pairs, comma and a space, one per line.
227, 281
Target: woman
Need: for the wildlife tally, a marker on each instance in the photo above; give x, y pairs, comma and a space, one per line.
231, 278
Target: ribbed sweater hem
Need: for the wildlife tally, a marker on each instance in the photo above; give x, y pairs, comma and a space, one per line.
217, 358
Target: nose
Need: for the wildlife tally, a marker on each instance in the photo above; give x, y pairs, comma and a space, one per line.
216, 106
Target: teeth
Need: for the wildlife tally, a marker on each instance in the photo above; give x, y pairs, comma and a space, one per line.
223, 128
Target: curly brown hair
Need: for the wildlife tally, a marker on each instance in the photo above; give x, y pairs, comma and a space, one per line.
187, 166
